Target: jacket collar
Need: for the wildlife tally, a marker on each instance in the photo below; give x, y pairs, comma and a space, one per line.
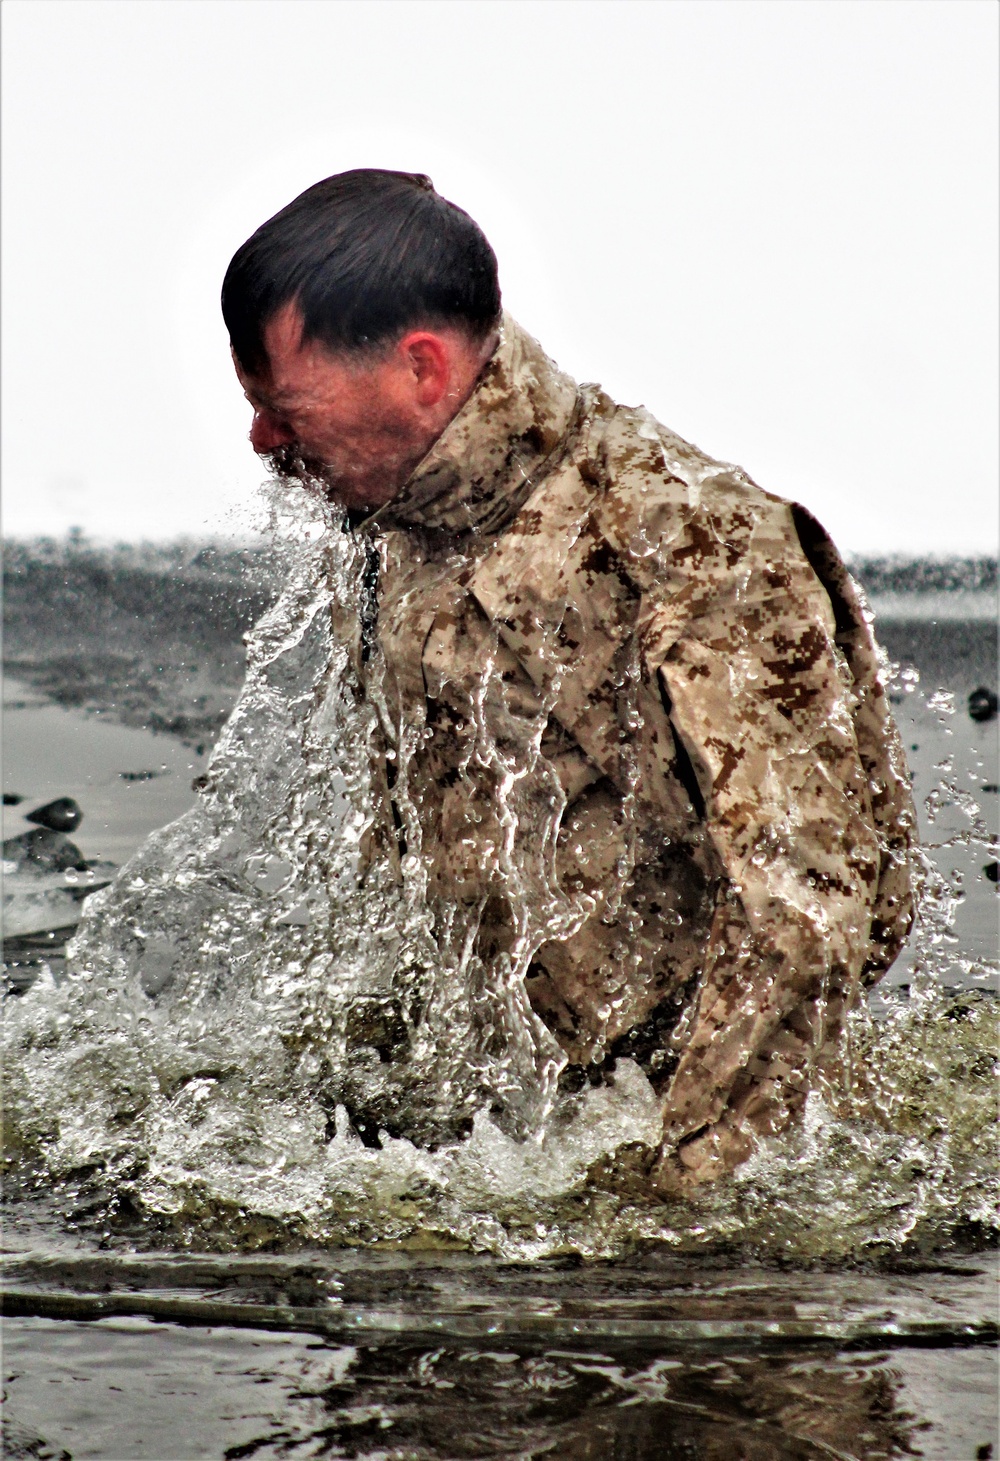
481, 469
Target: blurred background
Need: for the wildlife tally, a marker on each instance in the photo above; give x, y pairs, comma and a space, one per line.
774, 224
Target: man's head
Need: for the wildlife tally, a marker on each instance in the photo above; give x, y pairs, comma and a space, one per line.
360, 317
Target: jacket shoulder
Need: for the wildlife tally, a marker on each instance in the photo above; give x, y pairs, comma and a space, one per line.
672, 512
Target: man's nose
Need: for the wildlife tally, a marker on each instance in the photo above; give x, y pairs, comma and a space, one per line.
269, 432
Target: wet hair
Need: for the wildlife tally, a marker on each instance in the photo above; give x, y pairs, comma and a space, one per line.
366, 255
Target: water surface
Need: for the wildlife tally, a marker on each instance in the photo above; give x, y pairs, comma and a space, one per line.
212, 1262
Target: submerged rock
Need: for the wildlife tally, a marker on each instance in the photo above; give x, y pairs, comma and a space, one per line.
44, 851
46, 879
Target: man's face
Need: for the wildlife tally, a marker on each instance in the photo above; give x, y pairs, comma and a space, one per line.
357, 424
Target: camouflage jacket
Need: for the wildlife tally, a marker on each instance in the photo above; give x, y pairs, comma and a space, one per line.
634, 726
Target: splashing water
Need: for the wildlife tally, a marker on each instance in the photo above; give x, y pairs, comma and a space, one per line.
250, 1024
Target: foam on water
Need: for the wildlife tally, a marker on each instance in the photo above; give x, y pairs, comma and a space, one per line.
241, 1016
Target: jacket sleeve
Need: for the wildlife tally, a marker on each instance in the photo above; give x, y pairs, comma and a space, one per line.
763, 700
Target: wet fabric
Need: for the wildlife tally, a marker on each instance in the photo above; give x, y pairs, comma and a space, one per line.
633, 729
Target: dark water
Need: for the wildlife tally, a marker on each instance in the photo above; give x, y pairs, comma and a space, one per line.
120, 1342
116, 1389
401, 1356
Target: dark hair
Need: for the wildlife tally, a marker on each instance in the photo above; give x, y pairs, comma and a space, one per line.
366, 255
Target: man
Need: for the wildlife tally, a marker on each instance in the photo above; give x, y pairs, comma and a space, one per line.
633, 730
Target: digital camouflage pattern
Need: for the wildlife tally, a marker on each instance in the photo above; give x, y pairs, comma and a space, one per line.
634, 727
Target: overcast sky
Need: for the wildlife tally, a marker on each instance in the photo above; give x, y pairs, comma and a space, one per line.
771, 221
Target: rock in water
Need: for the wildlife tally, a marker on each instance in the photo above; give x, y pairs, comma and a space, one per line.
46, 879
982, 704
62, 815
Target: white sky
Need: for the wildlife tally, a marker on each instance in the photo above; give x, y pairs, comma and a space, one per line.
771, 221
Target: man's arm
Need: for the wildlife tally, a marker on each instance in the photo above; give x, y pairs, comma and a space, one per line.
764, 703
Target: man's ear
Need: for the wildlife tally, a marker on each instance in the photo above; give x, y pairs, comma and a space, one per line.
428, 357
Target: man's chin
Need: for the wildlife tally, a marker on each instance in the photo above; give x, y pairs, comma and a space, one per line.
355, 497
347, 492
